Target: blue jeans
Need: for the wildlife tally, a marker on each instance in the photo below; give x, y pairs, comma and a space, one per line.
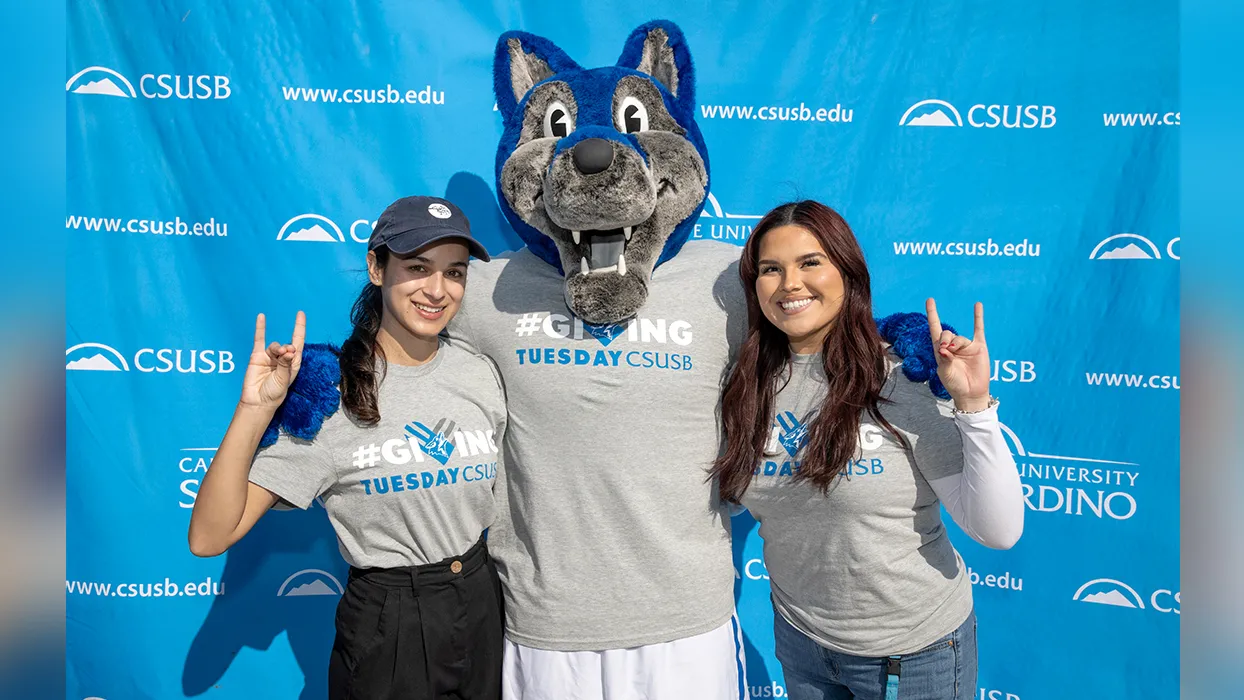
944, 670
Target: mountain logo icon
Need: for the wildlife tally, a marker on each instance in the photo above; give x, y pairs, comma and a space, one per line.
310, 582
1017, 449
1107, 591
311, 227
95, 357
931, 113
717, 213
100, 81
1125, 246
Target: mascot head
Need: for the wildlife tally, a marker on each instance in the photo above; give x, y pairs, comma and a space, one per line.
601, 171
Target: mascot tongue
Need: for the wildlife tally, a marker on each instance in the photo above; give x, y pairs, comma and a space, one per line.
606, 247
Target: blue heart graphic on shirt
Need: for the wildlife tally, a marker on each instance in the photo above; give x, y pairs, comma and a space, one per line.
794, 433
434, 441
605, 334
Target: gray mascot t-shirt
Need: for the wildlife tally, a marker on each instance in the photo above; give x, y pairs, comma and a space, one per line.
868, 569
612, 535
417, 487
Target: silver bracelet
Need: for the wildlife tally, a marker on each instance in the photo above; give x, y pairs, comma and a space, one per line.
993, 401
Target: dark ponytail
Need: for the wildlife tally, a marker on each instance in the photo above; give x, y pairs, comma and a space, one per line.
360, 352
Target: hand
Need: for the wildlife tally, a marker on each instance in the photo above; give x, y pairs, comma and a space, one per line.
272, 369
962, 364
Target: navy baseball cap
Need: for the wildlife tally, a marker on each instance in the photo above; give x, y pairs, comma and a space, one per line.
411, 223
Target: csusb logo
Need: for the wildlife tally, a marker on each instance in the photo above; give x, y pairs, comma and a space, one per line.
1133, 246
310, 582
1108, 591
98, 80
105, 358
1081, 486
980, 116
321, 229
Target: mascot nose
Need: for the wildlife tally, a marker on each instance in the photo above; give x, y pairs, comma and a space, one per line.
592, 156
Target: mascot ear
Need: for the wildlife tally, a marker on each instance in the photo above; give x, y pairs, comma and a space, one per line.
659, 49
520, 61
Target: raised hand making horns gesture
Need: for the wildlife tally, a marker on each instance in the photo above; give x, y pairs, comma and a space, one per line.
272, 368
962, 364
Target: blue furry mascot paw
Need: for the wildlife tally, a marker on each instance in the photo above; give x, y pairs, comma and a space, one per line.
312, 398
908, 336
601, 171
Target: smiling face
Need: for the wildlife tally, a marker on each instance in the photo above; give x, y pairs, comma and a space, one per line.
421, 291
799, 289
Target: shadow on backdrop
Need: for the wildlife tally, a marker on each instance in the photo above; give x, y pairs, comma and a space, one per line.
284, 576
476, 199
757, 671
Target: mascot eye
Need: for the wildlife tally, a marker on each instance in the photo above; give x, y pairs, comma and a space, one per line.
632, 116
557, 121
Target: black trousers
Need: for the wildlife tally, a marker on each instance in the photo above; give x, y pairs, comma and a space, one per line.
431, 632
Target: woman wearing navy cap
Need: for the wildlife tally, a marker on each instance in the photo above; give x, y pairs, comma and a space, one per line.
406, 472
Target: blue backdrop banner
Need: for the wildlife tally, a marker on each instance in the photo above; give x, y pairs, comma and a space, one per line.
230, 158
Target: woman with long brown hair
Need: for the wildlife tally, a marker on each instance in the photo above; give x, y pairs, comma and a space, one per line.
846, 464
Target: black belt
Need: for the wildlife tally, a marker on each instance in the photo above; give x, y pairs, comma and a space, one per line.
443, 571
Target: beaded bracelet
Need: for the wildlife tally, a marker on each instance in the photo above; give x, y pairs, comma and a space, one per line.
993, 401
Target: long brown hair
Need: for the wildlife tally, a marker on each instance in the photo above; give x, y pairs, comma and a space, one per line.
853, 356
360, 352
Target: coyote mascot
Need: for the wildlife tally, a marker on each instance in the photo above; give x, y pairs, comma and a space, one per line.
613, 334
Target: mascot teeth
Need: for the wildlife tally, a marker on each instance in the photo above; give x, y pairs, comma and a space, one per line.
604, 250
601, 246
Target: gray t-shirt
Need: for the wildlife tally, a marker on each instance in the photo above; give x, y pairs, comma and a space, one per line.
868, 569
417, 487
612, 535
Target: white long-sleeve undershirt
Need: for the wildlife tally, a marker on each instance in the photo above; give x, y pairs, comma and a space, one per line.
986, 499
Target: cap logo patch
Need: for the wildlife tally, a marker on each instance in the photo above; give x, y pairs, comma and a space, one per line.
439, 210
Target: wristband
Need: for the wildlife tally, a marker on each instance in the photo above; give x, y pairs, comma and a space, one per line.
993, 401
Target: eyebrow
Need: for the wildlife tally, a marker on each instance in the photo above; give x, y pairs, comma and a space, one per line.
427, 261
801, 258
